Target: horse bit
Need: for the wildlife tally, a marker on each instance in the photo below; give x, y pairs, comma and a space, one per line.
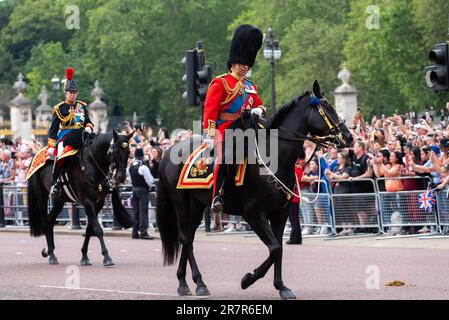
110, 180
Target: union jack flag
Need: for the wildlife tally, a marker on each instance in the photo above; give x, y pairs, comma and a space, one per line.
427, 200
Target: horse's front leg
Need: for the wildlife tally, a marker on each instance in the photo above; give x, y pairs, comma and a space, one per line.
98, 231
277, 225
183, 288
49, 234
259, 223
260, 226
89, 232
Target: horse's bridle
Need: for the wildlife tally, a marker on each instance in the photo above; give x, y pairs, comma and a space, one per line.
110, 156
336, 133
110, 180
333, 139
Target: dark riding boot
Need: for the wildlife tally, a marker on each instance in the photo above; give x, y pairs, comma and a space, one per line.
54, 180
217, 202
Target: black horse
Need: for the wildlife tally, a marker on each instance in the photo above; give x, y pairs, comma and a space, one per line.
88, 173
263, 204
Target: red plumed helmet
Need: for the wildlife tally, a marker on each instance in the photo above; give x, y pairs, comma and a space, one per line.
70, 84
69, 72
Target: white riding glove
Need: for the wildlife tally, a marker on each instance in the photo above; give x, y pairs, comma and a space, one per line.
209, 142
51, 151
258, 111
88, 130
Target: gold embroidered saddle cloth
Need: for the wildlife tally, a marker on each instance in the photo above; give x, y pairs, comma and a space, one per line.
198, 171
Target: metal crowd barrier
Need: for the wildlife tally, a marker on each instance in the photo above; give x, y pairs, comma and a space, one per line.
401, 208
355, 209
14, 206
443, 210
2, 210
315, 209
378, 209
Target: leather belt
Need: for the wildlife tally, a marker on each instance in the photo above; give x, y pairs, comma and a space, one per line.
228, 116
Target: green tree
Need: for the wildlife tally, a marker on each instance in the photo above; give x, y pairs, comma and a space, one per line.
33, 22
311, 39
388, 63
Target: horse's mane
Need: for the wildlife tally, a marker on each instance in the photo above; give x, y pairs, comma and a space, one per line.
101, 138
277, 118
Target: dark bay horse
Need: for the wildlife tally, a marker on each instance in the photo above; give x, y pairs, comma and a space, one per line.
89, 175
262, 204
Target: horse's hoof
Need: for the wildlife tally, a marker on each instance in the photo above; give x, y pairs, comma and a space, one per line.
85, 262
108, 263
287, 294
184, 291
44, 253
202, 291
53, 261
247, 281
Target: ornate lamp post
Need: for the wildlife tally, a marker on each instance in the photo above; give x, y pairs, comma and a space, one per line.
55, 85
272, 53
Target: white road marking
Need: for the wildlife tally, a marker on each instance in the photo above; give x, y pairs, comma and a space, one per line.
115, 291
19, 253
123, 250
224, 248
157, 250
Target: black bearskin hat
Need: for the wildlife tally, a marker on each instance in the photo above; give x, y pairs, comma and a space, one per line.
245, 44
70, 84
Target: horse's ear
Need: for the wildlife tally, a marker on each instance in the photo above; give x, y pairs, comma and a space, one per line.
115, 134
317, 90
130, 135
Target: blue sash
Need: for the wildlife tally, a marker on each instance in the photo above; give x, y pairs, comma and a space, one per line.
236, 105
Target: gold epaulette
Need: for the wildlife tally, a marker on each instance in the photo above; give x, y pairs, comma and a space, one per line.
63, 119
56, 107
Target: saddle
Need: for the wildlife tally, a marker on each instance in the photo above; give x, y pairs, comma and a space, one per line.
42, 156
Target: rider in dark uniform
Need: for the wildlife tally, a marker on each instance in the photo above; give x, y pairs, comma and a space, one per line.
70, 119
229, 95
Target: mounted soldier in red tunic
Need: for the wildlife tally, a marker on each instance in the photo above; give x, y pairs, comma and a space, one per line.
228, 96
70, 120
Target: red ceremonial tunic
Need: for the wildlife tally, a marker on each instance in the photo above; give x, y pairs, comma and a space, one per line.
226, 96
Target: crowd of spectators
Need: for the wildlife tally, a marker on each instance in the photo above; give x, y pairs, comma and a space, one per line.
16, 156
395, 151
154, 147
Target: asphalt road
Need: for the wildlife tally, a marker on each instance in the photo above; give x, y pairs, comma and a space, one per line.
344, 269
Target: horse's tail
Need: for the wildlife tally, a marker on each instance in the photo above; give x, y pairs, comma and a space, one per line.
120, 212
37, 208
167, 224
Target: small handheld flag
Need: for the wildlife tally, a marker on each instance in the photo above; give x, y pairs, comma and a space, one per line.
427, 200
